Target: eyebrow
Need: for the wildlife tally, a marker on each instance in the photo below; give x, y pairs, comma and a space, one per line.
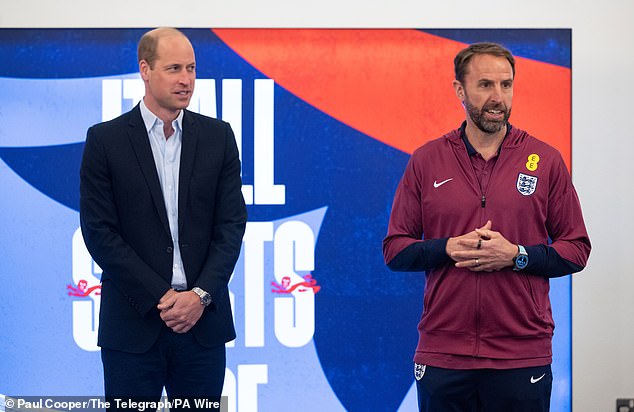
486, 79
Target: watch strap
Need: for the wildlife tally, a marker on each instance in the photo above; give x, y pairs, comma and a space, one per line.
205, 298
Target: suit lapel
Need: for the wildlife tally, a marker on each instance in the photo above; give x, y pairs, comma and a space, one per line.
141, 145
188, 151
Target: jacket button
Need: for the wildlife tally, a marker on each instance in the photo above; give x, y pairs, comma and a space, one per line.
169, 249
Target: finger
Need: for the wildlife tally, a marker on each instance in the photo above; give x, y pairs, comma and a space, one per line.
171, 323
468, 255
169, 294
468, 263
469, 243
485, 234
167, 316
182, 329
167, 303
176, 323
165, 306
462, 256
485, 230
181, 326
476, 265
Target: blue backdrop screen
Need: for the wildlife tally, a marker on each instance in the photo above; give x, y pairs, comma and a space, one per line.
325, 122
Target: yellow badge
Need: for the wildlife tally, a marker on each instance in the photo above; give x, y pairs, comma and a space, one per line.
533, 159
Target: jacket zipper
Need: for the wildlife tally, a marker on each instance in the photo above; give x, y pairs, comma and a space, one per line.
483, 203
476, 351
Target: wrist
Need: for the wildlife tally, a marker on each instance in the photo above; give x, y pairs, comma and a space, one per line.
205, 298
449, 245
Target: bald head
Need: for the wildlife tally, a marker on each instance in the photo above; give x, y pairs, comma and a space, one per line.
148, 45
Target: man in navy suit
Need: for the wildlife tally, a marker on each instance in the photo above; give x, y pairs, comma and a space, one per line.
162, 214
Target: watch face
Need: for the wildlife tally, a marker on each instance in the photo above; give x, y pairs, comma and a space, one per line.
521, 261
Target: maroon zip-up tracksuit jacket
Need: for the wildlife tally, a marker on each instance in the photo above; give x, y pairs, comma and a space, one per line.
504, 315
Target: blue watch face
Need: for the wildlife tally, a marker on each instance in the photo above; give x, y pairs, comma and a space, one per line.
521, 261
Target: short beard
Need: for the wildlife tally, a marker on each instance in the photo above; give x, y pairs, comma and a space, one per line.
477, 116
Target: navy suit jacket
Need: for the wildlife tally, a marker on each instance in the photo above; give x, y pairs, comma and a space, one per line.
125, 226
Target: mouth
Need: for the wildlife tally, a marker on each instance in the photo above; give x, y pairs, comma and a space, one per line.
495, 114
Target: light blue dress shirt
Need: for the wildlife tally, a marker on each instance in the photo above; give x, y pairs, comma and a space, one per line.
167, 157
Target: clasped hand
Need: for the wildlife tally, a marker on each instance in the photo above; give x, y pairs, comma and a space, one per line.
180, 310
482, 250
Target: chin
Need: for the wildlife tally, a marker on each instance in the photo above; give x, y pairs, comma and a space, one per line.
181, 106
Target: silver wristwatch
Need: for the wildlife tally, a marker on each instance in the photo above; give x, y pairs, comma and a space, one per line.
205, 298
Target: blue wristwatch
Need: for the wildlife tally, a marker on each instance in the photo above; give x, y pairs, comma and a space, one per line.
521, 260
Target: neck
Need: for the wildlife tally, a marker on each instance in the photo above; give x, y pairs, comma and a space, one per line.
166, 116
487, 144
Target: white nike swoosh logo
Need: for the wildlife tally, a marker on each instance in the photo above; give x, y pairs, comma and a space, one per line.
438, 184
533, 380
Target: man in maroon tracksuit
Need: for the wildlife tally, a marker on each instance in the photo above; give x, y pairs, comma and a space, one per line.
490, 213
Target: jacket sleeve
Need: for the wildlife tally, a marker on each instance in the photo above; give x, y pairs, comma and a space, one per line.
101, 230
229, 223
404, 248
570, 248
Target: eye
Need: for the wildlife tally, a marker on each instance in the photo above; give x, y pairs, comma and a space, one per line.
507, 85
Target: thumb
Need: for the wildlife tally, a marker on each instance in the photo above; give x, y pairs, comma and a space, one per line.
485, 231
166, 303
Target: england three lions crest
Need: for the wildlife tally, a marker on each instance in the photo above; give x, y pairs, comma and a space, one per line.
526, 184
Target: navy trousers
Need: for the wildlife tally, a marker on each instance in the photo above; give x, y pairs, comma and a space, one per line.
483, 390
191, 374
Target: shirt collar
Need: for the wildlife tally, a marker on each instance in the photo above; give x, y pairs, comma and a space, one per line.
470, 149
150, 119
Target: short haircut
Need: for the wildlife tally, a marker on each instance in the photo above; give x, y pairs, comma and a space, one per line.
462, 59
148, 45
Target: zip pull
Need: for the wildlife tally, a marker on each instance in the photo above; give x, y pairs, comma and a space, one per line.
483, 201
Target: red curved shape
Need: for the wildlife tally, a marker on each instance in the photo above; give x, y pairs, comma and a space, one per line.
395, 85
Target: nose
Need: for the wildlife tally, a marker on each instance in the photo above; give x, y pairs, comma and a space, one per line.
496, 93
185, 77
